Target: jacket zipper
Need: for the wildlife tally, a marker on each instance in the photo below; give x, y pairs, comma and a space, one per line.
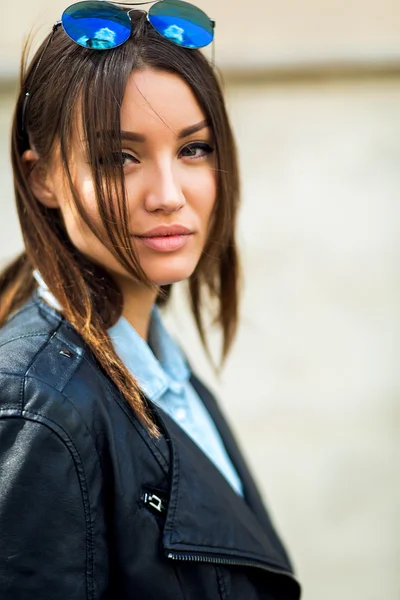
226, 561
157, 504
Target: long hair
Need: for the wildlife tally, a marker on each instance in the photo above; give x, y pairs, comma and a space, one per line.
71, 80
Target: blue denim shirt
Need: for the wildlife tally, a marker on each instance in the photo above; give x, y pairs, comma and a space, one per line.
162, 372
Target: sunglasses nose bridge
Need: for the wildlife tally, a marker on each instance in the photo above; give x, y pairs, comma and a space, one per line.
136, 10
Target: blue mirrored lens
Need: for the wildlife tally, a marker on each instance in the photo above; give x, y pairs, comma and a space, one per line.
182, 23
98, 25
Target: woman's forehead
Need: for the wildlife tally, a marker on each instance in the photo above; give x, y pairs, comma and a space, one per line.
157, 100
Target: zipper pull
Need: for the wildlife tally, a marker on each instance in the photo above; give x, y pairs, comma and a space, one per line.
154, 501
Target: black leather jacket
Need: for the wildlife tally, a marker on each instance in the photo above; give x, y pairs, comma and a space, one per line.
92, 507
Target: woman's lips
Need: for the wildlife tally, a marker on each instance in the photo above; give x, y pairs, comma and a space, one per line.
165, 243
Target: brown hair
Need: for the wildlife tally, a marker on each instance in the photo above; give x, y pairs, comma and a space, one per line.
71, 78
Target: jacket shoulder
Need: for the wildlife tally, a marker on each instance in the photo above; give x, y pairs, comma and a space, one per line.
23, 335
39, 355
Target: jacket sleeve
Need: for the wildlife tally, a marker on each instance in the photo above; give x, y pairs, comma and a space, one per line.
43, 514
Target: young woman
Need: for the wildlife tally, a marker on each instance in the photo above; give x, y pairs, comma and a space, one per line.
119, 477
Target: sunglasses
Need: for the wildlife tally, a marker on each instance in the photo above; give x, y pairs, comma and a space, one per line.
102, 25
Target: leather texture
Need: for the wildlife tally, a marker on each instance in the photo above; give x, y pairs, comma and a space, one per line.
77, 470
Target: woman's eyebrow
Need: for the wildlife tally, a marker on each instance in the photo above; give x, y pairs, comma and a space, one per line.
185, 132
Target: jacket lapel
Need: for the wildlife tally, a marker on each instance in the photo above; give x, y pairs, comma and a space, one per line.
206, 519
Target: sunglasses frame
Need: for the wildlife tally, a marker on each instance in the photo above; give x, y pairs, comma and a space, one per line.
58, 24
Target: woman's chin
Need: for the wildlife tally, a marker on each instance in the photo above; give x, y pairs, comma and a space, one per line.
173, 278
169, 276
169, 270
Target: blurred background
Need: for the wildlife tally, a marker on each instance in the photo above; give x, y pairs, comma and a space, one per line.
313, 90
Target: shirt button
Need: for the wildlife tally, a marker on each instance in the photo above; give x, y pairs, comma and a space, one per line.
176, 388
181, 414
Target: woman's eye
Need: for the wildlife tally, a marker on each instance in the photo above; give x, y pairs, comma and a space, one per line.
120, 159
196, 150
125, 159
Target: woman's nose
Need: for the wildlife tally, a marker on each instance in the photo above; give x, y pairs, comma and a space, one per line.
164, 192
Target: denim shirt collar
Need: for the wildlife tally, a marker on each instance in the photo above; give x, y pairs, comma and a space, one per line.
155, 365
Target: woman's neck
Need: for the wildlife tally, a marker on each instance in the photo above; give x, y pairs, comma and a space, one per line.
138, 304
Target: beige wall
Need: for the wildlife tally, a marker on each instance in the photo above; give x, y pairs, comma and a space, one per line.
311, 387
255, 32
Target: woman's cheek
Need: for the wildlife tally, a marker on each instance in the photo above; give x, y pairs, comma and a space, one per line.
78, 231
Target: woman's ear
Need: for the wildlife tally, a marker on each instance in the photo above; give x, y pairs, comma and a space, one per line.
39, 180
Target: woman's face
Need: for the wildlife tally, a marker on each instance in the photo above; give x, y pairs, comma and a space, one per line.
170, 178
